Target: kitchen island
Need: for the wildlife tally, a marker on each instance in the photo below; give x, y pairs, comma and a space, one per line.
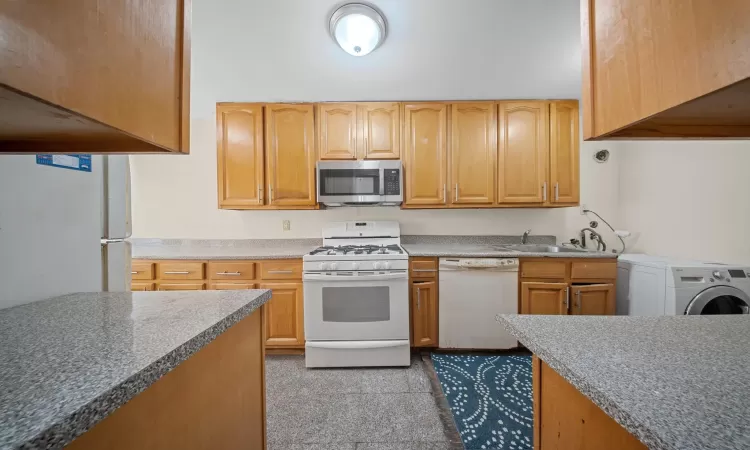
664, 383
134, 370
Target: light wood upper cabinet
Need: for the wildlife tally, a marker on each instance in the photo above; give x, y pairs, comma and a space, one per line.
564, 153
666, 69
337, 130
290, 154
595, 299
425, 153
380, 130
239, 143
544, 298
522, 152
108, 76
472, 153
283, 315
424, 313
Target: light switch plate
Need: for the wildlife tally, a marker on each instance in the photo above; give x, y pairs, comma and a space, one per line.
286, 225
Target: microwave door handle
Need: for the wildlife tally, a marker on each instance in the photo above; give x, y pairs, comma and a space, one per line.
381, 176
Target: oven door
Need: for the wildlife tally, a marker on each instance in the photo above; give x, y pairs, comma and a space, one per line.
356, 306
356, 182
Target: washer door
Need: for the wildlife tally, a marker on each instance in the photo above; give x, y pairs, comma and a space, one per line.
719, 300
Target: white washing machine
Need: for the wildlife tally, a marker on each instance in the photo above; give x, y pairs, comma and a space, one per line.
654, 286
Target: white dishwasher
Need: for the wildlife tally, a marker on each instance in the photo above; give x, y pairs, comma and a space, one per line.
472, 292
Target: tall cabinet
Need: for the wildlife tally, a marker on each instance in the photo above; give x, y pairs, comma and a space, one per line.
240, 155
564, 163
472, 153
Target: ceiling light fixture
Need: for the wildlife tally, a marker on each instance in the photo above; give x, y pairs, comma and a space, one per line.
357, 28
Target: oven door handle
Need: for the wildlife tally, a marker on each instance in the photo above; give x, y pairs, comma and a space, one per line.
376, 277
355, 344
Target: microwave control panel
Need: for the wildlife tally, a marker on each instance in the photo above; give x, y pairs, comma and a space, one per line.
392, 181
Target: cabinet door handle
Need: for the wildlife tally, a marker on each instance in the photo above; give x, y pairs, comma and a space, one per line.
270, 192
544, 191
578, 298
260, 195
444, 198
419, 300
134, 272
177, 273
557, 193
228, 273
285, 272
567, 299
455, 197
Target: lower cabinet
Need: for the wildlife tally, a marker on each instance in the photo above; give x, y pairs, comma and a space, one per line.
181, 286
424, 313
283, 316
567, 286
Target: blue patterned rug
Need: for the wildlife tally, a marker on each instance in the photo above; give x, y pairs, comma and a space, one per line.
490, 398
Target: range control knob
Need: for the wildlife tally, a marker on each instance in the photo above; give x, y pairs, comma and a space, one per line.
332, 266
717, 275
323, 266
386, 265
355, 265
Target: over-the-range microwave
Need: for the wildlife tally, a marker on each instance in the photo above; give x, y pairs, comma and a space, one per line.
360, 183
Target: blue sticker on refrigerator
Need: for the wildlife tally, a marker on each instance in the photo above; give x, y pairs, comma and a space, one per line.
73, 162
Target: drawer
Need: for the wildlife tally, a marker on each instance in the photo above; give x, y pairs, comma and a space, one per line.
181, 271
593, 270
281, 270
229, 286
235, 270
543, 269
142, 270
181, 286
140, 286
423, 268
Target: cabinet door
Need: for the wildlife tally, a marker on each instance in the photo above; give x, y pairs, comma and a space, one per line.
472, 153
522, 152
181, 286
239, 143
425, 153
563, 152
337, 131
140, 286
424, 314
544, 298
283, 315
290, 155
380, 131
593, 300
232, 286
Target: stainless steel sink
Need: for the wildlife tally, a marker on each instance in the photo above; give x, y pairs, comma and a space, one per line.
539, 248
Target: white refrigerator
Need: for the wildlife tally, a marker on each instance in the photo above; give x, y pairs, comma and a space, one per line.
63, 230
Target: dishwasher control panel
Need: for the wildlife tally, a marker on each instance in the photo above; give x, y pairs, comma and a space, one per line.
479, 263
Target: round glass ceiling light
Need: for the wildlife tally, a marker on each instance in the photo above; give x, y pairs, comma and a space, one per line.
357, 28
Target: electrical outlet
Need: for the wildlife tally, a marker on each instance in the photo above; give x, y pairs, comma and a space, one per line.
286, 225
583, 209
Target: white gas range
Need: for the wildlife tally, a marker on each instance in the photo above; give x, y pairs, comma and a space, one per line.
356, 290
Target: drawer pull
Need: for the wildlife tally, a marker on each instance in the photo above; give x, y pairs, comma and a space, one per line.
177, 273
280, 272
229, 273
424, 270
134, 272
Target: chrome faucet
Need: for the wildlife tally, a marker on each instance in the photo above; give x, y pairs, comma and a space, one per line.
525, 237
595, 236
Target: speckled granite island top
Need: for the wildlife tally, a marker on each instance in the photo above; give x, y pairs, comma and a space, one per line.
68, 362
673, 382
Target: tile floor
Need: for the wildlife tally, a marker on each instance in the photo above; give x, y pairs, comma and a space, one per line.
348, 409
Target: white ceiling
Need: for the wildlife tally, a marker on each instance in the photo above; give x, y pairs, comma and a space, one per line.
280, 50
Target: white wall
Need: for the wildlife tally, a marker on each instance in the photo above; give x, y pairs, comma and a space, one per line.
258, 50
687, 199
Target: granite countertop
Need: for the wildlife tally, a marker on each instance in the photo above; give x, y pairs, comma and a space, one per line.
222, 249
487, 251
68, 362
674, 382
